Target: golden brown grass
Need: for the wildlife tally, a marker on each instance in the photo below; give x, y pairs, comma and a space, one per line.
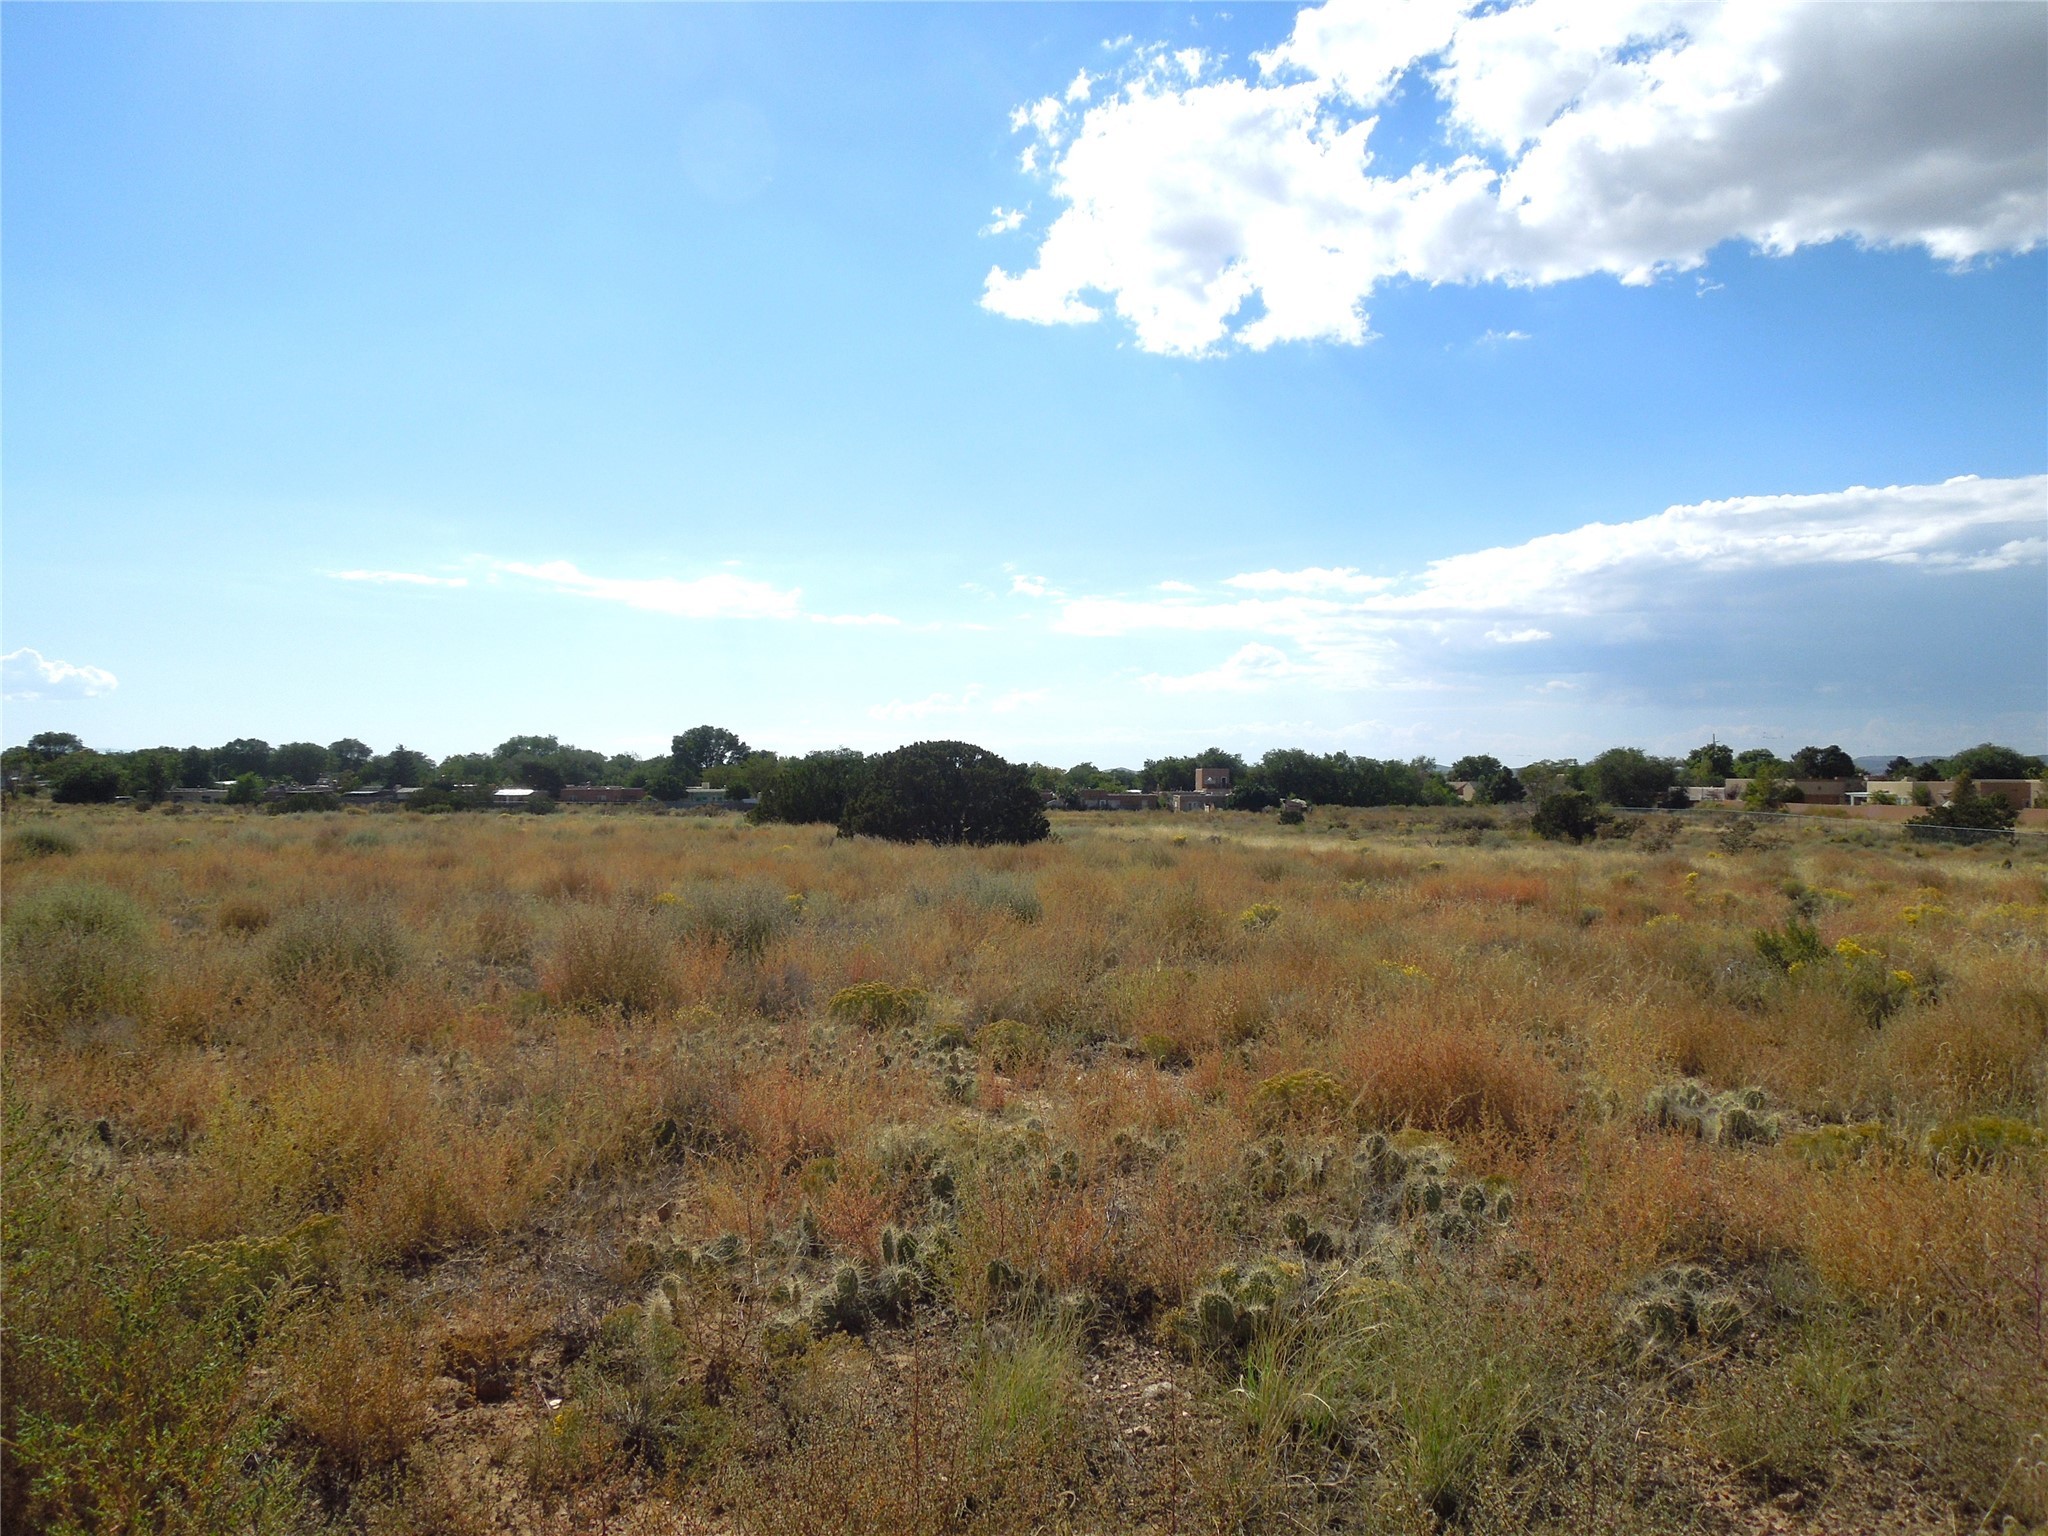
522, 1077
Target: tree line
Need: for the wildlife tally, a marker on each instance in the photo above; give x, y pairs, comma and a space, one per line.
944, 791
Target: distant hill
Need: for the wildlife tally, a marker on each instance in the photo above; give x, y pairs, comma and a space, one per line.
1875, 762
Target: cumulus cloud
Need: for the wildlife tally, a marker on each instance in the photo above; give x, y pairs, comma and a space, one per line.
400, 578
28, 675
1028, 586
1002, 221
1599, 580
1628, 139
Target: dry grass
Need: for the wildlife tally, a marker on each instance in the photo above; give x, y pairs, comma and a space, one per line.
381, 1172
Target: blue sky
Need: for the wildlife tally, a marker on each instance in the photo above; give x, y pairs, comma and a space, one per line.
1086, 381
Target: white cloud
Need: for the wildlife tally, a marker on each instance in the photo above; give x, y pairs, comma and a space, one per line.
1003, 220
1028, 586
1080, 87
400, 578
1604, 581
1314, 579
1628, 138
707, 597
1603, 565
27, 675
1174, 586
1495, 338
1249, 668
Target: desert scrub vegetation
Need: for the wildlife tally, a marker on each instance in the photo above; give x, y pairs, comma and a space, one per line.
376, 1173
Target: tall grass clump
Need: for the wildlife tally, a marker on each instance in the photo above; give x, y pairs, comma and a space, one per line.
337, 947
612, 957
74, 951
41, 842
1004, 894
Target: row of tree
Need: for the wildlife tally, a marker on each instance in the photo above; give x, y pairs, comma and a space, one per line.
829, 786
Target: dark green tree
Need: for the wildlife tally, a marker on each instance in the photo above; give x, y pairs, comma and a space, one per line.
154, 774
705, 746
195, 768
405, 768
538, 773
1988, 760
48, 746
349, 755
1712, 764
1569, 815
1629, 776
86, 779
816, 788
1967, 808
300, 761
1492, 780
246, 790
946, 792
1750, 759
245, 754
1823, 763
1551, 776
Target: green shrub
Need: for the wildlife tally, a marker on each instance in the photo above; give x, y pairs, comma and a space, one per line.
1569, 815
1830, 1146
337, 947
635, 1382
75, 952
1984, 1141
876, 1005
1308, 1096
132, 1404
1796, 944
744, 918
1008, 1045
1260, 914
1166, 1053
41, 842
1007, 895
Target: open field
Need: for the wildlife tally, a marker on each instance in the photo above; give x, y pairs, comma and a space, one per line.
639, 1173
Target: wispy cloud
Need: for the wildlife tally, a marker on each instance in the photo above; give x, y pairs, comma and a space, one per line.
1315, 578
1250, 667
28, 675
1003, 220
720, 596
400, 578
